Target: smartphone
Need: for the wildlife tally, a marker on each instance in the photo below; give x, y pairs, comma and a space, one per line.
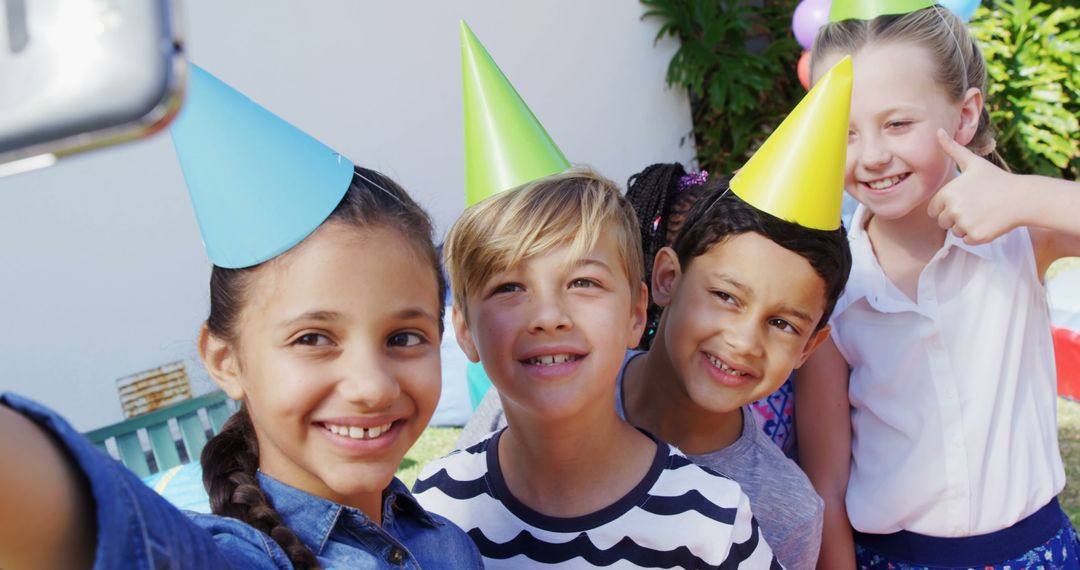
80, 74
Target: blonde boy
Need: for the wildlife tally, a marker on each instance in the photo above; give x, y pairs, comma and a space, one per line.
548, 295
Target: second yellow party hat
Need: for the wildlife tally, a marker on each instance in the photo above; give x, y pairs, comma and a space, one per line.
798, 173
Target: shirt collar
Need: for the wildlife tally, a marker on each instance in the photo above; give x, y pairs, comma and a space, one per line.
983, 250
857, 232
397, 498
863, 280
866, 275
313, 518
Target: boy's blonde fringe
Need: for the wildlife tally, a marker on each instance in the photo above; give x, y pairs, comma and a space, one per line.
572, 208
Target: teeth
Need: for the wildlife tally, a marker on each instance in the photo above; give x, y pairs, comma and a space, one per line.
724, 367
359, 432
552, 359
884, 182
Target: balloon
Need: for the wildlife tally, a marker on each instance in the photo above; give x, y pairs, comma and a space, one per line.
809, 16
803, 69
1067, 359
963, 8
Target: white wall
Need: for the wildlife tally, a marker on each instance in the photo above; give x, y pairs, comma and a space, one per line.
102, 272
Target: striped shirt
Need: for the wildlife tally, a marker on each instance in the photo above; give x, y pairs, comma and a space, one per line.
679, 516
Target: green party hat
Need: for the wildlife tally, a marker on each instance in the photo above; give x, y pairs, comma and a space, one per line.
869, 9
505, 146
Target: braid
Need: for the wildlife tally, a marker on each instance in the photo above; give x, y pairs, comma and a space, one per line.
652, 193
231, 458
681, 206
229, 462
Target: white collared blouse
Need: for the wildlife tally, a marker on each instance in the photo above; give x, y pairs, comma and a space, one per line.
952, 395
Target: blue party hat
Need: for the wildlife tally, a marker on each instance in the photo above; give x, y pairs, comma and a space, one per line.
258, 184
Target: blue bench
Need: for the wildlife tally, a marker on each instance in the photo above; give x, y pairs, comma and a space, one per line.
157, 426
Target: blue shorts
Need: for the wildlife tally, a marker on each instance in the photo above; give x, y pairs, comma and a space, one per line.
1044, 540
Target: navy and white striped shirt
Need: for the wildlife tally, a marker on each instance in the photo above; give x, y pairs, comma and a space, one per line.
679, 516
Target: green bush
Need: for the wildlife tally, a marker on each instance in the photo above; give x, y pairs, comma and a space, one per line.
1032, 51
737, 63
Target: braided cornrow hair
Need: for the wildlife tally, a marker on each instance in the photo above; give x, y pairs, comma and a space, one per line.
229, 462
661, 202
231, 458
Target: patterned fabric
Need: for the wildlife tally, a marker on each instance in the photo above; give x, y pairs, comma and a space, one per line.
775, 415
1058, 553
679, 516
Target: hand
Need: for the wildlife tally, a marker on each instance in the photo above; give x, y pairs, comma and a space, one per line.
978, 205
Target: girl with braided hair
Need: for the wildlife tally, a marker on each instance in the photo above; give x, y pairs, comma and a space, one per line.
331, 342
333, 347
662, 195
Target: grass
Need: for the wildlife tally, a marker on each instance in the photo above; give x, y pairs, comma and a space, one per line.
438, 441
433, 443
1069, 441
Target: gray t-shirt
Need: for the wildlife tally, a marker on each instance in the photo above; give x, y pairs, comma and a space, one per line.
784, 503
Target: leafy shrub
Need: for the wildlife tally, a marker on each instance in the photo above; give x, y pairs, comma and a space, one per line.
737, 63
1033, 52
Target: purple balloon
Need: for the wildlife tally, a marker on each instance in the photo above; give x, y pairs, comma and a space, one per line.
963, 8
809, 16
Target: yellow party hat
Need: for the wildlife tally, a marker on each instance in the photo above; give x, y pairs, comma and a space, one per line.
798, 174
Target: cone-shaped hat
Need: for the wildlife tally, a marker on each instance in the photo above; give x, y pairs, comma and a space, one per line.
505, 146
870, 9
798, 174
258, 184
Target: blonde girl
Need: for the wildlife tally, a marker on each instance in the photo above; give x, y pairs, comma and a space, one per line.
941, 343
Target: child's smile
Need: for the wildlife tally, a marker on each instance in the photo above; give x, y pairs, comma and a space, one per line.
360, 434
728, 374
881, 186
553, 362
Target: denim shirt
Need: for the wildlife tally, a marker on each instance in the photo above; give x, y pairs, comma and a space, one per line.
137, 528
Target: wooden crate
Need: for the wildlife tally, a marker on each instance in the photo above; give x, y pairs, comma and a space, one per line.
149, 390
